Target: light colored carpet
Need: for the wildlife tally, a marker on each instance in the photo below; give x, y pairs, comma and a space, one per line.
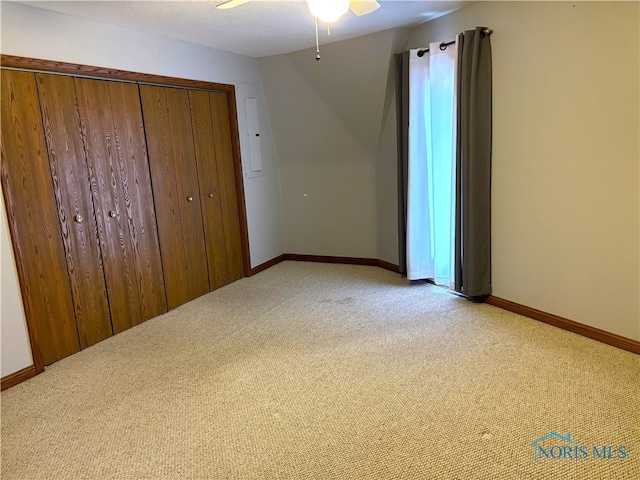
327, 372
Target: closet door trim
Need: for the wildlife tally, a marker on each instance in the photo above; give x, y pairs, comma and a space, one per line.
101, 73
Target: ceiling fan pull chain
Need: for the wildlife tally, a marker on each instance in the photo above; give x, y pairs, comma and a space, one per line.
317, 43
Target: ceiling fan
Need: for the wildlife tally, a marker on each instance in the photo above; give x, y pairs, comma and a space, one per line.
326, 10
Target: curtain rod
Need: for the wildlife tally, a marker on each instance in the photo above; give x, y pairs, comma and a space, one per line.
444, 45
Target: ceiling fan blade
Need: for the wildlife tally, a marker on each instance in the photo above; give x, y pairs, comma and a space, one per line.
231, 4
363, 7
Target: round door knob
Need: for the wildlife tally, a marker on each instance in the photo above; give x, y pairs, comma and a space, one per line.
78, 218
211, 195
189, 199
112, 213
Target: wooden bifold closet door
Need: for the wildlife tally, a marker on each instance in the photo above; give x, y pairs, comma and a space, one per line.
70, 177
33, 220
111, 122
122, 199
98, 190
214, 158
175, 185
189, 142
105, 190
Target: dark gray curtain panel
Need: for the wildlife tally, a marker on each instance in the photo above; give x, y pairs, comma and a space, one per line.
473, 164
402, 119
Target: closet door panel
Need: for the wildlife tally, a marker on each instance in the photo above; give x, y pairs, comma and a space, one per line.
205, 154
165, 188
227, 181
174, 179
135, 186
33, 219
111, 117
102, 154
75, 207
189, 200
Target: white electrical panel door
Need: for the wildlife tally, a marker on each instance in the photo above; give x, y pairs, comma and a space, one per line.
253, 132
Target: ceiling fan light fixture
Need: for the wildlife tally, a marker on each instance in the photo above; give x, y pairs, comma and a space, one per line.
328, 10
231, 4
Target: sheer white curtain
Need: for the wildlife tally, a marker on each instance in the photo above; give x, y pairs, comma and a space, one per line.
432, 165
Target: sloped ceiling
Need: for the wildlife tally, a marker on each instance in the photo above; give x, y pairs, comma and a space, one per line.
257, 29
352, 80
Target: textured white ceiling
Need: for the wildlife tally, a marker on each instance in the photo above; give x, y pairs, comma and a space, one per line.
257, 29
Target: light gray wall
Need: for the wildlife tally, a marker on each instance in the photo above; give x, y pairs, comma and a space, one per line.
565, 190
15, 348
32, 32
328, 120
565, 166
